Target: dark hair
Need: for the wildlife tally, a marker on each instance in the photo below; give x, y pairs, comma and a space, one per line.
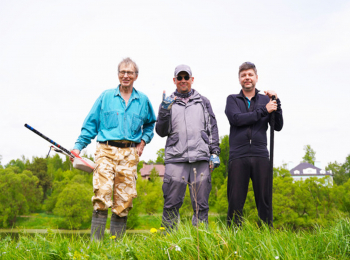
246, 66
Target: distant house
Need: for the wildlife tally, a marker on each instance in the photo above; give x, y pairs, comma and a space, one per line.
306, 170
146, 170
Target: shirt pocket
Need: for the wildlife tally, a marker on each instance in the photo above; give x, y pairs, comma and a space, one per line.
110, 119
136, 124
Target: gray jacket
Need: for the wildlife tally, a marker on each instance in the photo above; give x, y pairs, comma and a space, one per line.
191, 130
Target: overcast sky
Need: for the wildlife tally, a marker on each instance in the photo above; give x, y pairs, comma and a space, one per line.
56, 57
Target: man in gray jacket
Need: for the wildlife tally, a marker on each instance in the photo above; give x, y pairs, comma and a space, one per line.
192, 147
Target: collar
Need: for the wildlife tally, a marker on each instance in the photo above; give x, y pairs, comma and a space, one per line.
241, 95
134, 93
185, 95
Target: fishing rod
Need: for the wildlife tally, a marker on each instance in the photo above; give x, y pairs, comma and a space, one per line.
71, 154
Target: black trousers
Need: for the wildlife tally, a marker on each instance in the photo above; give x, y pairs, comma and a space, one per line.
240, 171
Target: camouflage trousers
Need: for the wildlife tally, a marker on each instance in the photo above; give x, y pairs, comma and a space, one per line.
115, 173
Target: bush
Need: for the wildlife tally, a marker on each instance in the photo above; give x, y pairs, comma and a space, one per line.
19, 195
74, 204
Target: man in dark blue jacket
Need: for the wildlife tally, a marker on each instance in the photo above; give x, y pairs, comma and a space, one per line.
249, 114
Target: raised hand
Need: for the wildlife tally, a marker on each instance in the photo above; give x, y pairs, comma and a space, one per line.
167, 101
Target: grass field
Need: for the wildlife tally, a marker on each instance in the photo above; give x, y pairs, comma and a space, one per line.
214, 242
49, 221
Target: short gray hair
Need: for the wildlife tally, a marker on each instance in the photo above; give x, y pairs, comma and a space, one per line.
128, 61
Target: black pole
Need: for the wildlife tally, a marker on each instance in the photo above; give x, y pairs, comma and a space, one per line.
49, 140
272, 138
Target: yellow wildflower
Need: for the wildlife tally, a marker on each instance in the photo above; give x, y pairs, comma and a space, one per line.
153, 230
162, 228
113, 237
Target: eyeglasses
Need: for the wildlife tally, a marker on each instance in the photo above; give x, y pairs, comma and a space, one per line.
122, 73
179, 78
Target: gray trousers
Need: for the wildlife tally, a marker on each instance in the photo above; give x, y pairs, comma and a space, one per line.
176, 178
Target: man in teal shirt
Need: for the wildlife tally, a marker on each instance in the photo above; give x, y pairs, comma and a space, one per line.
123, 121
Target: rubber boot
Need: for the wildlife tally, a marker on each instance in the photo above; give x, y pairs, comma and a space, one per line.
118, 225
98, 224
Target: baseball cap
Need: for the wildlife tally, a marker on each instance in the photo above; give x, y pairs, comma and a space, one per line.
184, 68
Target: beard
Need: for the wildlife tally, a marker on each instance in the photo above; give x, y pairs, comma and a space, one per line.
248, 89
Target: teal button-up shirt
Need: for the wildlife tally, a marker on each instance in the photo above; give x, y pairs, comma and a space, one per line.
111, 119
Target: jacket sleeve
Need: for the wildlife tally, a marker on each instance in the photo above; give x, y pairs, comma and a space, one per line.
278, 117
90, 126
163, 122
148, 126
212, 129
238, 118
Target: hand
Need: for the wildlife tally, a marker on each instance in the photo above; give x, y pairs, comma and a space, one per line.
140, 146
271, 106
214, 161
271, 93
77, 152
167, 102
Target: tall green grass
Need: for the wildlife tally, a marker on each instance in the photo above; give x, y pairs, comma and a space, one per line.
187, 242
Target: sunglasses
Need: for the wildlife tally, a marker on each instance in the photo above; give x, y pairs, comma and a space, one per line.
179, 78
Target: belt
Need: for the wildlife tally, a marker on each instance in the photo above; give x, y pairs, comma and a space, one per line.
119, 144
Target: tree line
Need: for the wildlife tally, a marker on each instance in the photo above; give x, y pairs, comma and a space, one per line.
54, 186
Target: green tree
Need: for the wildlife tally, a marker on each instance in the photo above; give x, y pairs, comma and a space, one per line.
19, 163
67, 165
133, 216
280, 171
140, 166
149, 196
20, 194
221, 202
313, 202
154, 175
217, 179
66, 178
219, 174
160, 156
341, 196
225, 152
283, 202
74, 205
39, 168
152, 202
309, 156
338, 171
57, 187
346, 167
